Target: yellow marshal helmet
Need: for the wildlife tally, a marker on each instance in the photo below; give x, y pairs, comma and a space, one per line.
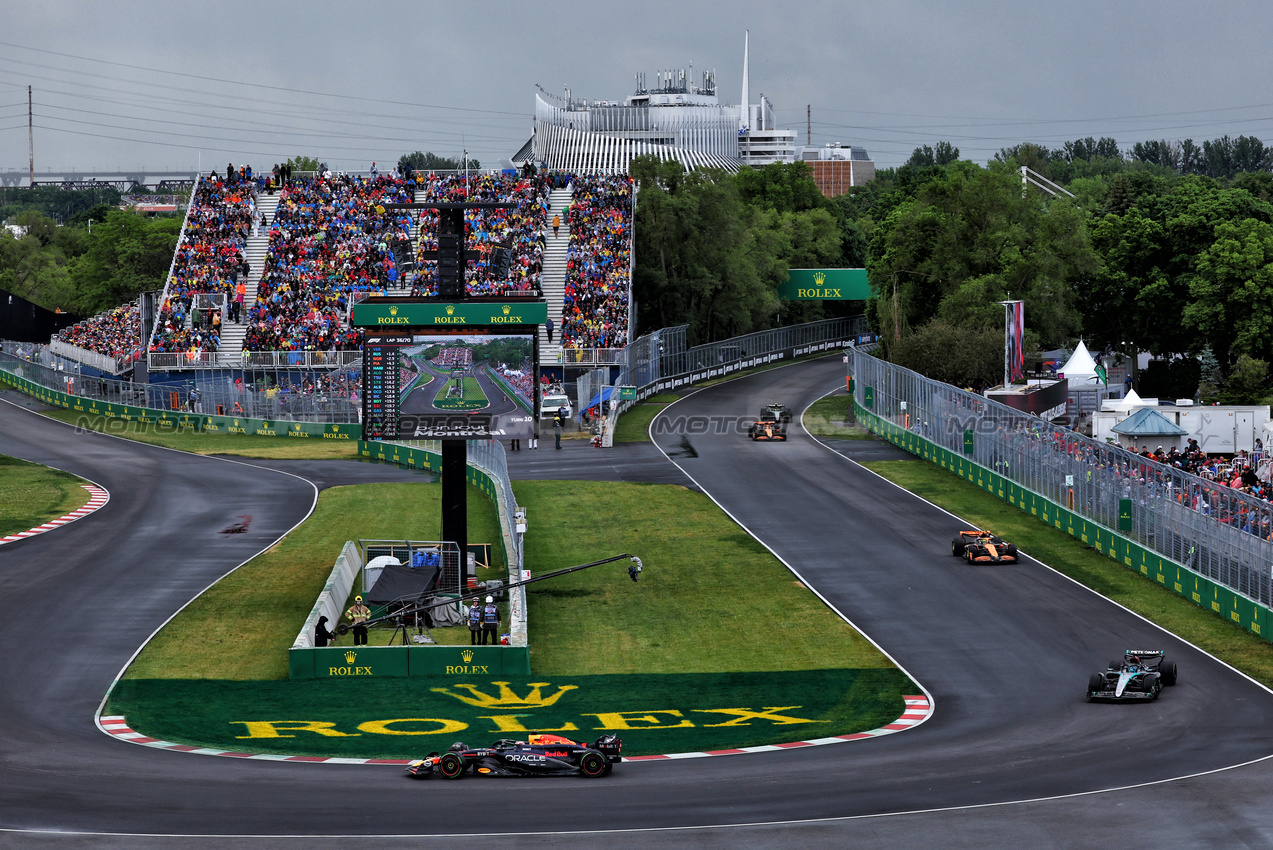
357, 598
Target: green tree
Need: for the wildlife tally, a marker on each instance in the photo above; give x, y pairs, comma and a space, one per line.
785, 187
123, 256
953, 354
432, 162
303, 163
924, 156
1231, 295
1248, 382
969, 239
697, 253
34, 271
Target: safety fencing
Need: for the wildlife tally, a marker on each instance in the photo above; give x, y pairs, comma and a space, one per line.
1203, 540
273, 395
121, 405
662, 361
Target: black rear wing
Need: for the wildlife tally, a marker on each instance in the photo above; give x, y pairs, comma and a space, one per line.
1145, 654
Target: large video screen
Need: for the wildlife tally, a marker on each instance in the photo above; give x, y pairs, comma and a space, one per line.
467, 385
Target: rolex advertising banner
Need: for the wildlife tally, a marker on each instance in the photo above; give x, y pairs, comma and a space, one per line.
356, 715
369, 662
825, 285
389, 314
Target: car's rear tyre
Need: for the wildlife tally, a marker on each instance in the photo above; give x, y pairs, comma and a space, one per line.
451, 766
1012, 551
592, 765
1167, 670
1095, 683
957, 546
1116, 664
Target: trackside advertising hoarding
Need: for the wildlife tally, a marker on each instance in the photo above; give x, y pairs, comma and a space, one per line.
825, 285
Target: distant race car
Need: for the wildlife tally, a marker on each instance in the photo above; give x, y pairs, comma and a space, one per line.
776, 410
982, 547
1141, 674
768, 428
538, 755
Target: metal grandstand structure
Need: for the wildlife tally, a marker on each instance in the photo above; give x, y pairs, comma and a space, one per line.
676, 119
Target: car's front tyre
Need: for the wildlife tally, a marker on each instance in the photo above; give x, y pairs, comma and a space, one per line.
451, 766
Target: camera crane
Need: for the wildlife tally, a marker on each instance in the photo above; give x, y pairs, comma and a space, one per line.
634, 572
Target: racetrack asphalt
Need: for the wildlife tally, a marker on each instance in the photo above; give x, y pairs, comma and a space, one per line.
1004, 652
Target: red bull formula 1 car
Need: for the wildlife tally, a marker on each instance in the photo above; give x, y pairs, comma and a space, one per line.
982, 547
538, 755
1140, 675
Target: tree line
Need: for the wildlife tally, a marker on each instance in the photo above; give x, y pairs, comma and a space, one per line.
1173, 257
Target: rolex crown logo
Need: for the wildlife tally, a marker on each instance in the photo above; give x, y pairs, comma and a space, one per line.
393, 309
467, 655
450, 308
506, 698
350, 656
335, 428
506, 309
820, 278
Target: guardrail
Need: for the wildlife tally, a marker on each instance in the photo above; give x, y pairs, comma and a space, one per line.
661, 361
1149, 516
92, 359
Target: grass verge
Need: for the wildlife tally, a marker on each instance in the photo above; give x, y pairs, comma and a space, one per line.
32, 495
1247, 652
833, 417
711, 599
634, 423
241, 445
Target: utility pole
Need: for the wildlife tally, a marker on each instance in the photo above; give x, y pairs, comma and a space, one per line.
808, 125
30, 141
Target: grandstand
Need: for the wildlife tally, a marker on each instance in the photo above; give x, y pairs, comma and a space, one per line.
264, 276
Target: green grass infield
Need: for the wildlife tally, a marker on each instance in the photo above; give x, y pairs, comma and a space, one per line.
833, 417
407, 718
31, 495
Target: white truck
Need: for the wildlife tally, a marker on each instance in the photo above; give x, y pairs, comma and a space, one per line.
1219, 429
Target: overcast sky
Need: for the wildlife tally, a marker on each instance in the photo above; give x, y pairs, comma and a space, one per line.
177, 86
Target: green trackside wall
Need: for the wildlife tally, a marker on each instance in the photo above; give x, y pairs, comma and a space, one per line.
410, 458
345, 662
180, 419
1201, 590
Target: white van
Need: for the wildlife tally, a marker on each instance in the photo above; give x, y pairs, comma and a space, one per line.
550, 404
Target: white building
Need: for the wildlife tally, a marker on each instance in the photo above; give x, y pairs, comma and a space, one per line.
678, 118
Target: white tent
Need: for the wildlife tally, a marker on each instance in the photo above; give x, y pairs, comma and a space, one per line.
1080, 368
1127, 402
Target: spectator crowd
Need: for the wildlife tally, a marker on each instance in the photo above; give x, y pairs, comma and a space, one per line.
115, 333
520, 227
331, 242
208, 261
598, 262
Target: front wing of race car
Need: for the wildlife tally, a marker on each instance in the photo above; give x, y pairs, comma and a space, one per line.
1144, 686
768, 430
991, 553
